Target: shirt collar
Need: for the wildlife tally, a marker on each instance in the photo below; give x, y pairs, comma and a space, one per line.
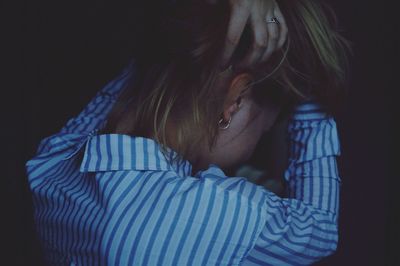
116, 152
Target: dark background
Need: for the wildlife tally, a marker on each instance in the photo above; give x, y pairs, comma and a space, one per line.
56, 55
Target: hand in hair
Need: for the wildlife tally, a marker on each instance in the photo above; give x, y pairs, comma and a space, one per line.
267, 37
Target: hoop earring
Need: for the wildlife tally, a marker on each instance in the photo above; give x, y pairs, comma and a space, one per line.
226, 125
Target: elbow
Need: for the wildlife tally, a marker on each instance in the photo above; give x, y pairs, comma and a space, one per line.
330, 237
333, 236
333, 243
332, 250
329, 249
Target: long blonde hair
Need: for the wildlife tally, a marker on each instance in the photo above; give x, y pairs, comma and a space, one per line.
178, 67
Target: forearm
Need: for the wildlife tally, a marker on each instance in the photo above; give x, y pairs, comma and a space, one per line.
312, 174
95, 113
303, 229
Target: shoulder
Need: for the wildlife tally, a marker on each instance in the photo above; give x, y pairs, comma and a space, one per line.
156, 207
209, 186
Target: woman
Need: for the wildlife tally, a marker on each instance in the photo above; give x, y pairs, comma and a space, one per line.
138, 177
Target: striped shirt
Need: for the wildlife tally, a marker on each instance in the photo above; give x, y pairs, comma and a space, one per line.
111, 199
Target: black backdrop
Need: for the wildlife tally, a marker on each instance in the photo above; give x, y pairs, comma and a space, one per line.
56, 55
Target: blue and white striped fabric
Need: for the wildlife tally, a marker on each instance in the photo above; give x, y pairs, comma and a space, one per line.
116, 200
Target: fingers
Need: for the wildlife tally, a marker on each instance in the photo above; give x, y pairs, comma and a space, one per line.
283, 29
260, 41
267, 37
237, 22
273, 37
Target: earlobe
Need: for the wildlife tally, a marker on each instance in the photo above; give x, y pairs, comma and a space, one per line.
228, 113
231, 110
234, 99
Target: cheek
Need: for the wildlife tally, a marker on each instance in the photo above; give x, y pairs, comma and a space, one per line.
242, 137
257, 128
270, 115
253, 133
262, 123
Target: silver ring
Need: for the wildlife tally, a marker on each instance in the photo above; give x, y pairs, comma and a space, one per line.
272, 20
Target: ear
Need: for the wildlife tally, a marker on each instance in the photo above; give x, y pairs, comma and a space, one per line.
234, 98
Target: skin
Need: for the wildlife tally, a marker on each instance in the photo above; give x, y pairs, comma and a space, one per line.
249, 121
268, 37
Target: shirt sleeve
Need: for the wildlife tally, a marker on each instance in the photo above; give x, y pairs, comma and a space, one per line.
94, 115
302, 229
